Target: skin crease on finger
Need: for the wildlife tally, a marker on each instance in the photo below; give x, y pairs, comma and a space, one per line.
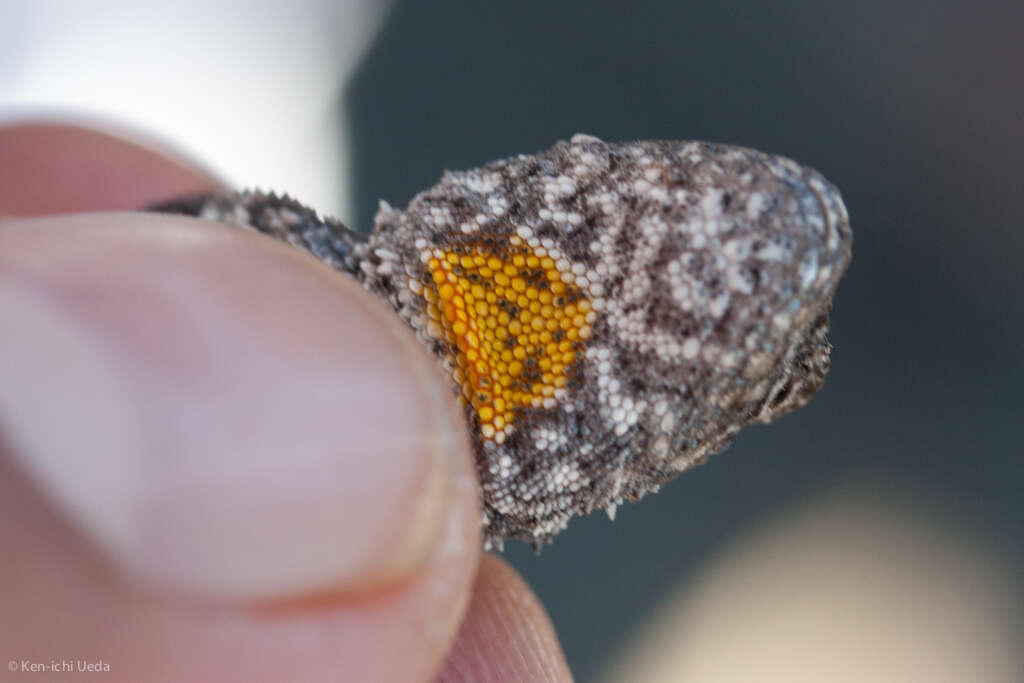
61, 599
60, 595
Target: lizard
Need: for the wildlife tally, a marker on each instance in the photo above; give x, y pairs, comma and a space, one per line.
610, 314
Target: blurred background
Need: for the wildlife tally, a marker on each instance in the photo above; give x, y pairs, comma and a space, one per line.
876, 534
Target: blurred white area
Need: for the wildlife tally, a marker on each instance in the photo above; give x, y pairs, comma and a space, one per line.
248, 89
850, 588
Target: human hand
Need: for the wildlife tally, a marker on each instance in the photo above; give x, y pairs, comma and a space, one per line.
221, 460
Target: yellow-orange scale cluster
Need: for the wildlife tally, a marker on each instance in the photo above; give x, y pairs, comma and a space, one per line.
514, 322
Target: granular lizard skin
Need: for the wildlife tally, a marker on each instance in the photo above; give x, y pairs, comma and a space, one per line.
610, 314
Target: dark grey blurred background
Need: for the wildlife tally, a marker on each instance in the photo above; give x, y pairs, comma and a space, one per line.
914, 109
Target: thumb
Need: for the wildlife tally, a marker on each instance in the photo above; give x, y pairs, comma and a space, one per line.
222, 415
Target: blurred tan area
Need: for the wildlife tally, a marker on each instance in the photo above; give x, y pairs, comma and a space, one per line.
851, 587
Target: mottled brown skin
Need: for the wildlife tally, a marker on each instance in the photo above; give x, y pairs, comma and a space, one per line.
711, 270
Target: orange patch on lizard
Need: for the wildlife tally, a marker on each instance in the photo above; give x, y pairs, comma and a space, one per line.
514, 323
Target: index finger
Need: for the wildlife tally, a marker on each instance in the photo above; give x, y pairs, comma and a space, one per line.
52, 168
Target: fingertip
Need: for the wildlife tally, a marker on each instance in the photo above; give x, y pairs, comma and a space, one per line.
238, 420
506, 634
48, 168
